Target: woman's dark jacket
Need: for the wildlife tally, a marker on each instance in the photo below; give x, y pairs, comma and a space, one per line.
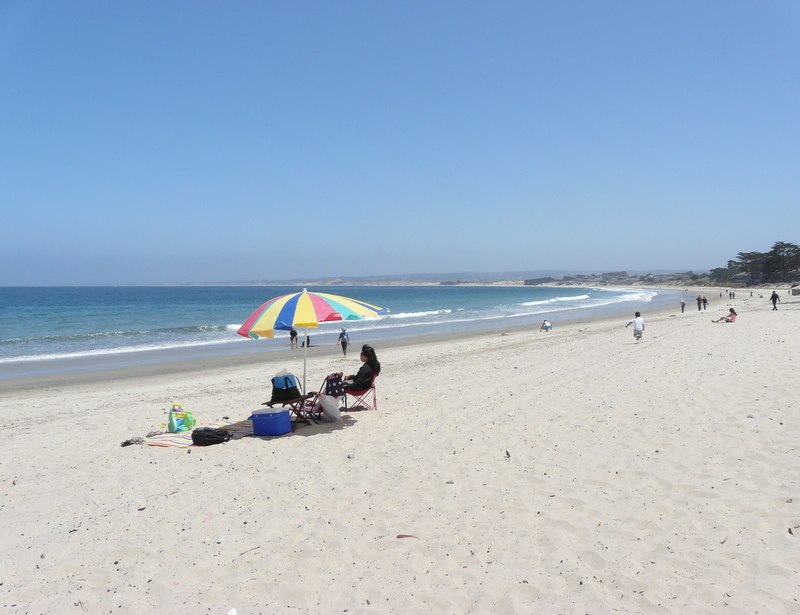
362, 380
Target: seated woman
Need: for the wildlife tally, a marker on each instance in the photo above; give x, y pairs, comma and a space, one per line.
363, 379
729, 318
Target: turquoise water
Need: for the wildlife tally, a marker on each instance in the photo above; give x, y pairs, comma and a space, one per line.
47, 330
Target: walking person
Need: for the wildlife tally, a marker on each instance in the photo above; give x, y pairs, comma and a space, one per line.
705, 303
293, 338
343, 341
683, 305
638, 326
775, 300
699, 303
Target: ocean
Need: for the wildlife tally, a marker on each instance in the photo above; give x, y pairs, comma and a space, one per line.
64, 329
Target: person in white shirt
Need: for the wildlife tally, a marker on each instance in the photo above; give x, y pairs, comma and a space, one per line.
638, 326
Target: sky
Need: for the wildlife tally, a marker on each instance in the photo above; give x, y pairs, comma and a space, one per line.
158, 142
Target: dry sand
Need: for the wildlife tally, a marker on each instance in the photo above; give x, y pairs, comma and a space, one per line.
574, 471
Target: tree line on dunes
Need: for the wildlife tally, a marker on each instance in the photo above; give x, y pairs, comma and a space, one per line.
780, 264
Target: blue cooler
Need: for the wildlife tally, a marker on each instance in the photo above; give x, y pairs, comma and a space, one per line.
271, 422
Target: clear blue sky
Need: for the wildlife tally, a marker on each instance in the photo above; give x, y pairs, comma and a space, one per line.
148, 142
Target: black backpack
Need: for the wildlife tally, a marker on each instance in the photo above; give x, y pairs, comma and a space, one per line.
206, 436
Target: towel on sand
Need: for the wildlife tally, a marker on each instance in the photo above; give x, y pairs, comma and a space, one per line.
239, 429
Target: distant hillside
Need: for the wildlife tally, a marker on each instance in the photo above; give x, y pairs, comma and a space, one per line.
464, 277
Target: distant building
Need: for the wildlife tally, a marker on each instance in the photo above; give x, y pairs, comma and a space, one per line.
743, 278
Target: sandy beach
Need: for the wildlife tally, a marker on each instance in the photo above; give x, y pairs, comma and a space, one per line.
517, 471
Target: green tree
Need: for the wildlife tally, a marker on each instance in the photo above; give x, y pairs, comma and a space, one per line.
722, 274
751, 263
781, 260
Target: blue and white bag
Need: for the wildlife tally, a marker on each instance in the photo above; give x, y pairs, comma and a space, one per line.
285, 388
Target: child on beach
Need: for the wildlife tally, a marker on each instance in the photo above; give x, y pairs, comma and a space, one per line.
546, 326
638, 326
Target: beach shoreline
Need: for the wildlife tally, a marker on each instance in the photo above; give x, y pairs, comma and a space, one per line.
507, 471
103, 329
93, 371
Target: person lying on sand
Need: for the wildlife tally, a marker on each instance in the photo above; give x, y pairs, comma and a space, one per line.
729, 318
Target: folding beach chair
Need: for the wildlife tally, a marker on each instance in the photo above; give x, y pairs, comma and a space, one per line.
360, 398
311, 408
296, 406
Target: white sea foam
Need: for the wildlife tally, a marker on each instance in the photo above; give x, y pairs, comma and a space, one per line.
118, 351
556, 300
418, 314
578, 298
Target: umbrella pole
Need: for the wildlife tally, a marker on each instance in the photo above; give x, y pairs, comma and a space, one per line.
305, 357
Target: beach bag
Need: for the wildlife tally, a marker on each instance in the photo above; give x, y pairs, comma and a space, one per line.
334, 386
330, 407
206, 436
180, 421
284, 388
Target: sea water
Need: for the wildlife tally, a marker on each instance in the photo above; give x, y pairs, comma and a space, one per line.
61, 329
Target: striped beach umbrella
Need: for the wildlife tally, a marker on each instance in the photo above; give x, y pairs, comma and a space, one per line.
305, 310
